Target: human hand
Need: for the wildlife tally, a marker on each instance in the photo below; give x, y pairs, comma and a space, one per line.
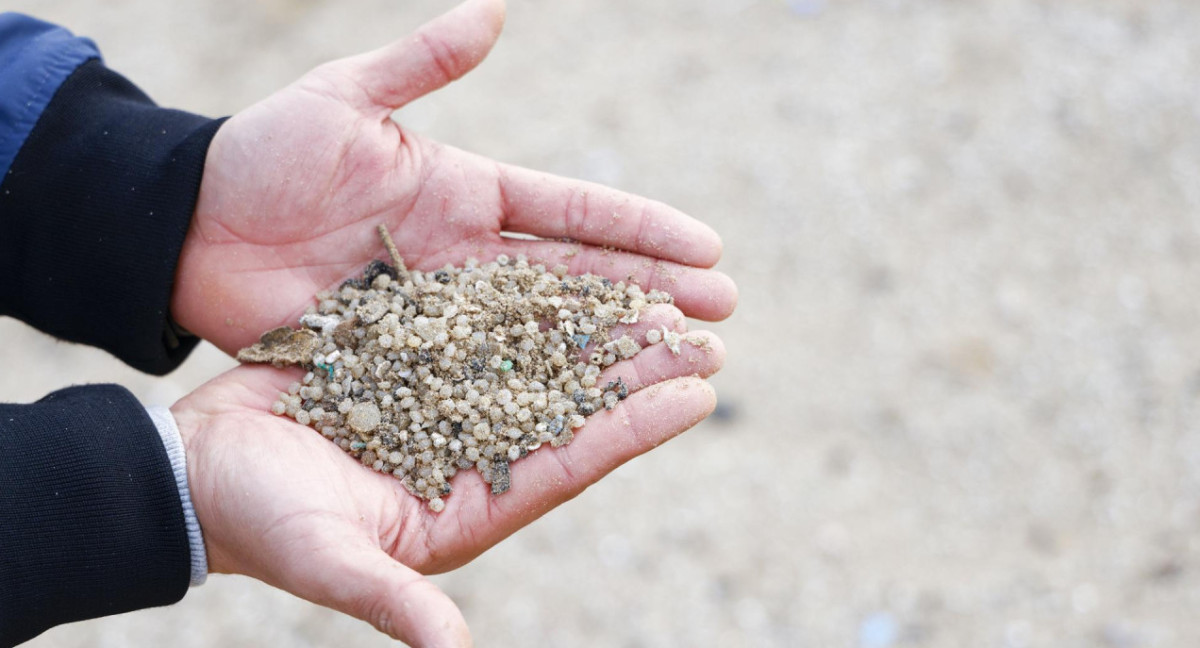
278, 502
294, 186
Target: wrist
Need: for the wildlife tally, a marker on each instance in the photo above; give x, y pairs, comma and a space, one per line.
184, 293
193, 426
194, 295
172, 440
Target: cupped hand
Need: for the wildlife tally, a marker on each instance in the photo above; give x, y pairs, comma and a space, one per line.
278, 502
295, 185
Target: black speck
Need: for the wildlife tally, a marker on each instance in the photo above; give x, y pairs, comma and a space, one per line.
424, 357
456, 427
619, 387
579, 396
587, 409
442, 277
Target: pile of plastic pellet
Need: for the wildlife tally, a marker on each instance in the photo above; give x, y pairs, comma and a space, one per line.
421, 375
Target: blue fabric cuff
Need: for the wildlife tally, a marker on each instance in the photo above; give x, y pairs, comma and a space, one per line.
35, 58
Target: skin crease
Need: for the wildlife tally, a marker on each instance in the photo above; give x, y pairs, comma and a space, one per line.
292, 191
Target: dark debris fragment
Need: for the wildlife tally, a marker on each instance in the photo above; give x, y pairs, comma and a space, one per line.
501, 478
376, 268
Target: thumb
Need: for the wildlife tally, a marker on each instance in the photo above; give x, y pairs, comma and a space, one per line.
368, 584
439, 52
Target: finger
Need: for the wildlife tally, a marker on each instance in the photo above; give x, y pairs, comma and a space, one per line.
548, 477
439, 52
704, 294
701, 353
366, 583
554, 207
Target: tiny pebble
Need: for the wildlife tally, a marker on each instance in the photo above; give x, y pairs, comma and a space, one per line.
364, 417
421, 375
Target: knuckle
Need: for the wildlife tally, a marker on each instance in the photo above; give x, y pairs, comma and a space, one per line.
442, 57
380, 615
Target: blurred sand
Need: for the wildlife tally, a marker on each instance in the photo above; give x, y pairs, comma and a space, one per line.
962, 396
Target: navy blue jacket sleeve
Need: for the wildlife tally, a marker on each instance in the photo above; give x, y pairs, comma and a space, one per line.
91, 522
97, 188
95, 199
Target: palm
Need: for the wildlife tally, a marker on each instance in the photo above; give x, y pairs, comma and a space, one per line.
278, 502
312, 223
294, 187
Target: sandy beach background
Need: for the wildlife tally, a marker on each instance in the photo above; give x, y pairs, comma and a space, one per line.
962, 400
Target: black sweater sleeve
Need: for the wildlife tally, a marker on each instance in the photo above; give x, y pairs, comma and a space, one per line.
93, 214
92, 520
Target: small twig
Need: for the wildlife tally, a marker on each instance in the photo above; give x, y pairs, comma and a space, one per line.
392, 251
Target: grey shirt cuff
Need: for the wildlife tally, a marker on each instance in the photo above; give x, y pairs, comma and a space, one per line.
165, 422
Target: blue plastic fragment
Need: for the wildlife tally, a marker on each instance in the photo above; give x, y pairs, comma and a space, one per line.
357, 445
581, 340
